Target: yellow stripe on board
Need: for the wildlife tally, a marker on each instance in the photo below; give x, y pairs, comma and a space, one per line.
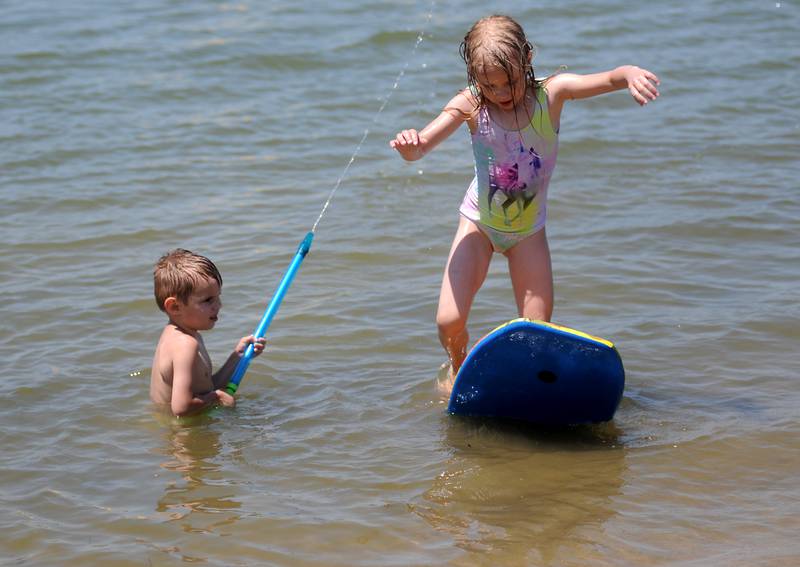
558, 328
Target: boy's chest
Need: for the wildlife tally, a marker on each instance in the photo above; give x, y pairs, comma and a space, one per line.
202, 381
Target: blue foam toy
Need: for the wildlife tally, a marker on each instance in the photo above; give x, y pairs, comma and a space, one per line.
542, 373
269, 312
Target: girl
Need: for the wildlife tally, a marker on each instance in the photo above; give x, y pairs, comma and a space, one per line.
513, 119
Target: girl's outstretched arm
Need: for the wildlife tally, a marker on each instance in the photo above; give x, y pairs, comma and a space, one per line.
641, 83
412, 145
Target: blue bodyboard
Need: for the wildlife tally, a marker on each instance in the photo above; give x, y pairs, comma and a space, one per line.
541, 373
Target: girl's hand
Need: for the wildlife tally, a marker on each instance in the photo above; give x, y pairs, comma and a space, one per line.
408, 144
225, 399
642, 84
258, 345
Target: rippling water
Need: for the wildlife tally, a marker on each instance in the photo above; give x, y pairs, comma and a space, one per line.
127, 130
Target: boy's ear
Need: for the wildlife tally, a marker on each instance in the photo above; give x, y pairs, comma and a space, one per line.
172, 305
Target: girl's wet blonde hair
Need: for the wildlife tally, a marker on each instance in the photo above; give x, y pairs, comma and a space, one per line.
179, 272
497, 41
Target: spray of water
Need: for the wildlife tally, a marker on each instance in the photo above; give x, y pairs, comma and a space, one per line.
375, 118
305, 245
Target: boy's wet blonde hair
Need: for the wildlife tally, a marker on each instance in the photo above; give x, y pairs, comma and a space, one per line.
178, 273
497, 41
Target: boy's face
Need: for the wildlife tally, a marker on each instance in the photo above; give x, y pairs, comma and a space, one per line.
201, 310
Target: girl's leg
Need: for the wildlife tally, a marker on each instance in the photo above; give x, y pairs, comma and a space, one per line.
464, 274
532, 276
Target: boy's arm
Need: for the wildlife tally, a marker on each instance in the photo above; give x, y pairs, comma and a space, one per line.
412, 145
223, 375
183, 401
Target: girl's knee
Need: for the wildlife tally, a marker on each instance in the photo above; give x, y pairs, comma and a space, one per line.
450, 324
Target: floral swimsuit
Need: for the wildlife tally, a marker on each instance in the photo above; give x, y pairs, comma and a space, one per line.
507, 199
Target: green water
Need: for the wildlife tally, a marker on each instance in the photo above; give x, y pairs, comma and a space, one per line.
127, 130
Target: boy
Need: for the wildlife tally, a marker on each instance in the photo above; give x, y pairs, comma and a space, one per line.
187, 288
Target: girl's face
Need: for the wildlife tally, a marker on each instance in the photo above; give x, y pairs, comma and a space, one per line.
501, 90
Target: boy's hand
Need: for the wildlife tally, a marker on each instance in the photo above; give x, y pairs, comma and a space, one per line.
225, 399
258, 345
407, 143
642, 85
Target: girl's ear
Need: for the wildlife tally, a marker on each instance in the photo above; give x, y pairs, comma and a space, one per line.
172, 305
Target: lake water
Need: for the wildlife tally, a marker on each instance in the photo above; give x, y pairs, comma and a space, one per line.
128, 129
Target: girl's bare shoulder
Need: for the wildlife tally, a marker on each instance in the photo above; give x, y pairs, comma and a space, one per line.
463, 106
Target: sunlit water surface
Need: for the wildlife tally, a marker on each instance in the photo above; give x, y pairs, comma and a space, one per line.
129, 129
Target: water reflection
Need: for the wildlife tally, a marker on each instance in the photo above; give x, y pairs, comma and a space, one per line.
519, 493
199, 497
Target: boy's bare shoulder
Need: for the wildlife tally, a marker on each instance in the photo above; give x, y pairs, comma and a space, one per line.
175, 339
172, 345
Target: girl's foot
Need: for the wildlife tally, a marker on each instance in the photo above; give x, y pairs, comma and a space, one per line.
445, 379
